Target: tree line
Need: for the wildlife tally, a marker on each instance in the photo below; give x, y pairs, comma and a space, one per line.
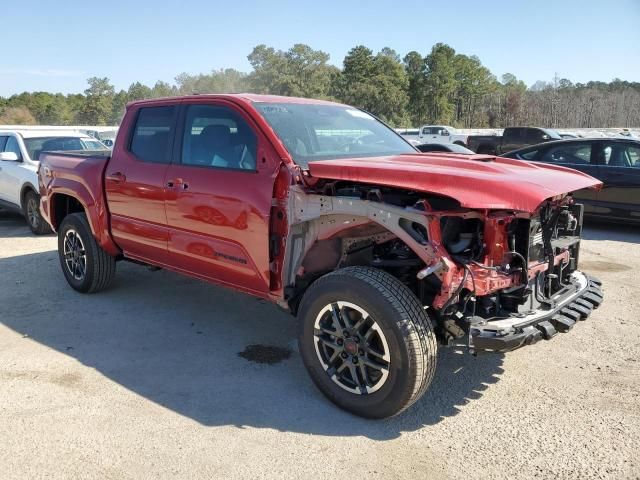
442, 87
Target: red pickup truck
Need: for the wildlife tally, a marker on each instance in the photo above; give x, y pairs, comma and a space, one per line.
382, 252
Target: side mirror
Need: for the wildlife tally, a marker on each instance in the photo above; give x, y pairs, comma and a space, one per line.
444, 133
9, 156
545, 137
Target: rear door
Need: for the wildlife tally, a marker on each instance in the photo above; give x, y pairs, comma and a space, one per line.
220, 190
135, 182
619, 169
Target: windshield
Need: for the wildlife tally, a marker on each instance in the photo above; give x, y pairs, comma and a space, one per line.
51, 144
330, 132
552, 133
93, 144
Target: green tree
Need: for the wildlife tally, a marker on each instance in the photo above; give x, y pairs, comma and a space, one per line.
300, 71
376, 83
218, 81
138, 91
440, 83
417, 101
98, 104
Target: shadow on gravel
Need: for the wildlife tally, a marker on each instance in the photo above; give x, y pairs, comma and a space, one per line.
175, 341
13, 224
595, 230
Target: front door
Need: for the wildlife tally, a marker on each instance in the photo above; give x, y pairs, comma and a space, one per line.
135, 183
11, 173
619, 169
219, 197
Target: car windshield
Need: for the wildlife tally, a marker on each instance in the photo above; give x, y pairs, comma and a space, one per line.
552, 133
43, 144
330, 132
93, 144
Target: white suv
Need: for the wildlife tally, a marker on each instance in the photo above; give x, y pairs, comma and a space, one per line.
19, 151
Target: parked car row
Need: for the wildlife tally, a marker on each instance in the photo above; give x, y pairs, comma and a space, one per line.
511, 138
19, 158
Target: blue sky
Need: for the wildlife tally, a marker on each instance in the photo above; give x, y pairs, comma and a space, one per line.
56, 46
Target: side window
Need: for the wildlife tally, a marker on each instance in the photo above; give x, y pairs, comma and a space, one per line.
620, 155
3, 142
512, 135
534, 136
12, 146
426, 131
529, 155
633, 155
216, 136
151, 140
576, 154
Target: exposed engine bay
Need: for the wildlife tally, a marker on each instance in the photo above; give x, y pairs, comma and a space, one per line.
484, 276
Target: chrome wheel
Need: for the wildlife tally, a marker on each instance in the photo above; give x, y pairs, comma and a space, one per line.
351, 348
75, 255
33, 212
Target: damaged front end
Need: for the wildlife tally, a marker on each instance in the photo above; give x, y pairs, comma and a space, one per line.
492, 280
516, 280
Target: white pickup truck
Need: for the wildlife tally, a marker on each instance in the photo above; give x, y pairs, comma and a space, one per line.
19, 152
441, 134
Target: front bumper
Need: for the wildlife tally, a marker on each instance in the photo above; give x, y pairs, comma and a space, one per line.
574, 303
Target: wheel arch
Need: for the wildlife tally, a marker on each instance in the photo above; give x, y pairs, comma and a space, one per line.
26, 188
63, 201
325, 232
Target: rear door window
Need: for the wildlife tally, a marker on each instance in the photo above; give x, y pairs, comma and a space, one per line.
3, 142
152, 138
616, 154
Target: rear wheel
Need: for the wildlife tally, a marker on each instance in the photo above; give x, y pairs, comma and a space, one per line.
366, 341
31, 210
86, 266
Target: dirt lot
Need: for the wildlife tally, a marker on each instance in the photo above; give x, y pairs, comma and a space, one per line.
145, 381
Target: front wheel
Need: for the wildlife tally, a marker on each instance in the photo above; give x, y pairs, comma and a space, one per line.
366, 341
86, 266
31, 207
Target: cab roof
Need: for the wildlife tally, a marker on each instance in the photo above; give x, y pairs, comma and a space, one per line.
238, 97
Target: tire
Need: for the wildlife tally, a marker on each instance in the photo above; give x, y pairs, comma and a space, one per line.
31, 211
88, 273
403, 329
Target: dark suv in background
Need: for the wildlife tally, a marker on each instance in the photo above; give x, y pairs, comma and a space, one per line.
616, 162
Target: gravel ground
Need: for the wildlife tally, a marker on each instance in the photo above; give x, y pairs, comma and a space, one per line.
145, 381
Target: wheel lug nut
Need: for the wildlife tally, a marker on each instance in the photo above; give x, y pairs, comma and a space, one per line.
360, 352
354, 359
340, 342
343, 355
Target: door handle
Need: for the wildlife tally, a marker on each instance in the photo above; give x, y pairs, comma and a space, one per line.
177, 182
117, 177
